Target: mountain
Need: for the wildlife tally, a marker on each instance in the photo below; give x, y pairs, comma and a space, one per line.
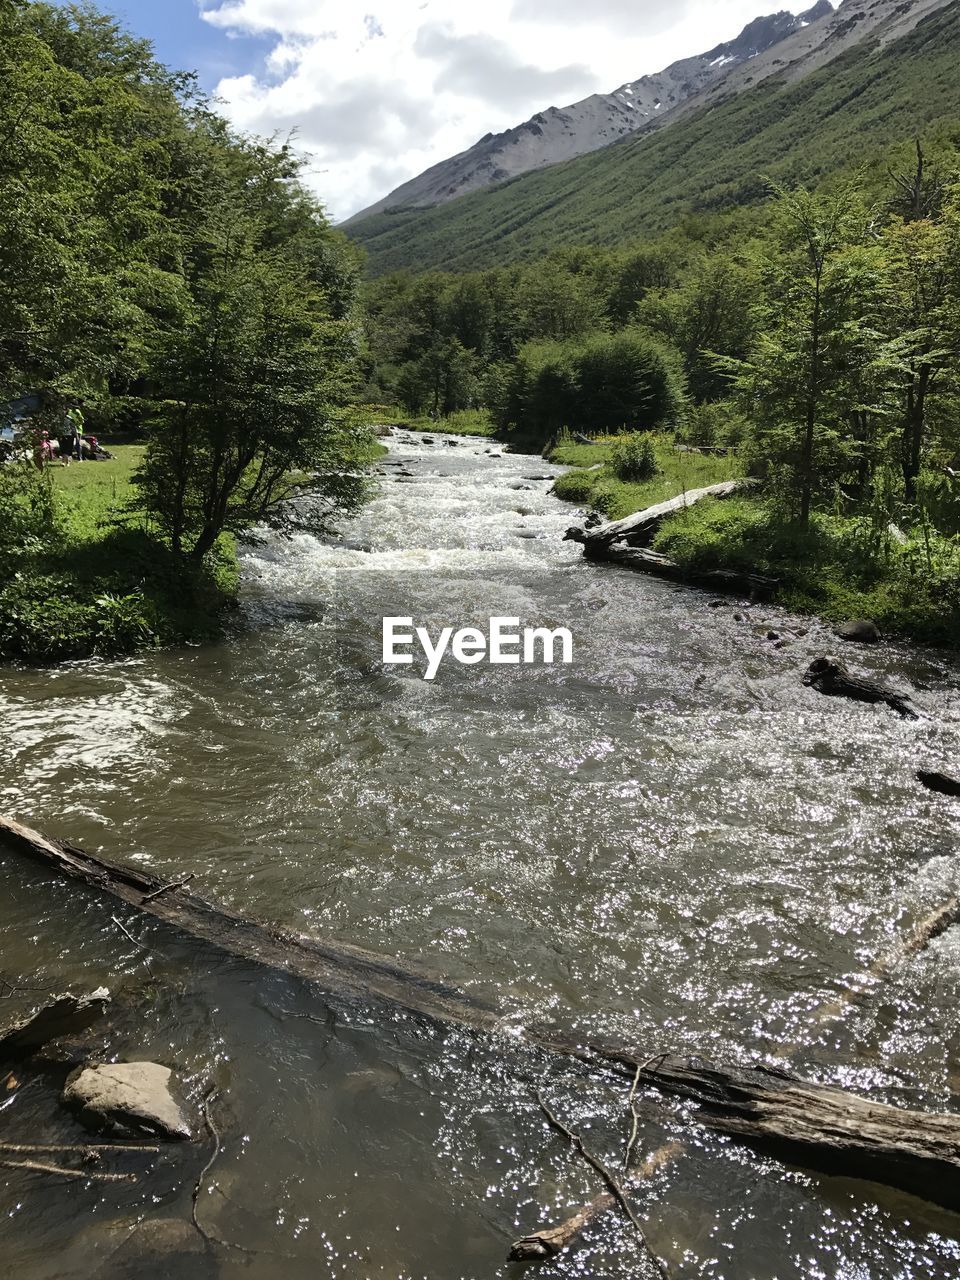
884, 72
554, 134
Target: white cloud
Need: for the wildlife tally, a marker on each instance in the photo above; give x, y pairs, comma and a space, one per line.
379, 91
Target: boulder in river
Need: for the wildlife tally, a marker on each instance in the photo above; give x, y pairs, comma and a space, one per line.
61, 1016
860, 631
941, 782
128, 1098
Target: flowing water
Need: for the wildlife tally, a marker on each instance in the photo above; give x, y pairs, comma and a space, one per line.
669, 840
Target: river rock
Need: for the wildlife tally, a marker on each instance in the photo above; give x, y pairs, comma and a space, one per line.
941, 782
128, 1097
860, 631
773, 635
62, 1016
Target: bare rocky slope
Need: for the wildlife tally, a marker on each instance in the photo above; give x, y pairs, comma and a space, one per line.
783, 44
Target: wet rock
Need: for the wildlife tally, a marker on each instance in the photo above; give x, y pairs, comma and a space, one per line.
716, 604
574, 534
860, 631
62, 1016
773, 635
940, 782
593, 520
128, 1097
739, 617
536, 477
427, 440
451, 444
782, 644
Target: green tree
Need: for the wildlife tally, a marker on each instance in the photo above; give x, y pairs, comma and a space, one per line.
817, 340
253, 430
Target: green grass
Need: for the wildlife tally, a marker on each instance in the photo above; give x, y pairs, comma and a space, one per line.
714, 160
96, 582
835, 568
92, 496
467, 422
602, 491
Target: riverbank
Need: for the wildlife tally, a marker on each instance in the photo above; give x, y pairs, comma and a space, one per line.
90, 579
839, 568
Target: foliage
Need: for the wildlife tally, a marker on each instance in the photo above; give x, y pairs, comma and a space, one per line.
634, 459
835, 567
602, 490
607, 382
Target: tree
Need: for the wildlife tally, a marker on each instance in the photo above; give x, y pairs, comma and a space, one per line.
253, 430
818, 346
921, 259
708, 313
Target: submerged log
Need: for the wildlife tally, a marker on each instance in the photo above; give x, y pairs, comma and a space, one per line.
642, 525
62, 1016
341, 969
816, 1126
827, 676
549, 1241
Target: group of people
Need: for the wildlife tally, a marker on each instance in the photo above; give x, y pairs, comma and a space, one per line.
71, 445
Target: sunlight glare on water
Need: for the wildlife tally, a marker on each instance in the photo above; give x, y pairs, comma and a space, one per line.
670, 841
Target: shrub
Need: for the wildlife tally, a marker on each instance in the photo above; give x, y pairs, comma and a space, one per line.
608, 382
575, 486
634, 458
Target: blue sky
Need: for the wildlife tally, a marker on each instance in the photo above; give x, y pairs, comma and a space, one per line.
184, 41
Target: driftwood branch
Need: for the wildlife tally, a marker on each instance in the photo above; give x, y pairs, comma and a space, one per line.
756, 586
799, 1121
169, 888
85, 1175
86, 1149
830, 677
595, 1163
549, 1241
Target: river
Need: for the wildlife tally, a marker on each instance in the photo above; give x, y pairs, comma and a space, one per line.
669, 840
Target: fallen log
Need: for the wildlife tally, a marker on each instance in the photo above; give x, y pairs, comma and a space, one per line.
348, 971
827, 676
812, 1125
940, 782
752, 585
642, 525
819, 1127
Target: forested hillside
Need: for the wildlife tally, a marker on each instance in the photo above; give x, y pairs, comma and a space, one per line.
845, 113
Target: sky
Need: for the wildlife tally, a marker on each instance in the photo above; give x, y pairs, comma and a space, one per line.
376, 91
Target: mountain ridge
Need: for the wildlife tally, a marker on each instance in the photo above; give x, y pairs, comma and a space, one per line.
893, 79
563, 133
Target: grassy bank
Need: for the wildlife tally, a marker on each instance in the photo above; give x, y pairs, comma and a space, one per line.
468, 422
602, 489
839, 568
89, 579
